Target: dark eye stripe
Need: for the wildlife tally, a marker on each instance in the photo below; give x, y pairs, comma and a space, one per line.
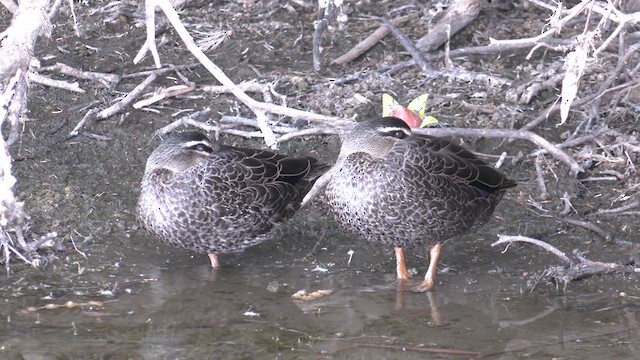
199, 146
396, 132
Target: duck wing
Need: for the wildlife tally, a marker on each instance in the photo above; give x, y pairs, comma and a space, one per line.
442, 157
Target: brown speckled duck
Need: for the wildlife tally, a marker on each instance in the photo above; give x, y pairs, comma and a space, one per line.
202, 196
394, 187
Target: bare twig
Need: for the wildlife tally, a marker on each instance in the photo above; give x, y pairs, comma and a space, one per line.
426, 68
540, 178
459, 14
504, 134
321, 26
165, 94
617, 210
128, 99
60, 84
108, 80
10, 5
508, 239
591, 226
371, 40
259, 108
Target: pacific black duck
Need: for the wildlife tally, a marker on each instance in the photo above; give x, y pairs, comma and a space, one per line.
206, 197
397, 188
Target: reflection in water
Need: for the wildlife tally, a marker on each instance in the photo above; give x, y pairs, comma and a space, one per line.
245, 311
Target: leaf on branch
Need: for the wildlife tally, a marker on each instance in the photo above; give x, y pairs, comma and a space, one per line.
576, 63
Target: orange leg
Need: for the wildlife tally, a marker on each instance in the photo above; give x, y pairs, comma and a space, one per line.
401, 268
214, 261
430, 276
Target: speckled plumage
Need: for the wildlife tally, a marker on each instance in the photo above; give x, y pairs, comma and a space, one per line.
209, 198
400, 189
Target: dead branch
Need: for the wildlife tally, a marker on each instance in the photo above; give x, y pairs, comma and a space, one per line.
260, 109
508, 239
629, 206
544, 195
426, 68
165, 93
577, 268
233, 125
371, 40
321, 26
96, 114
459, 14
59, 84
10, 5
16, 53
585, 268
590, 226
505, 134
128, 99
107, 80
30, 22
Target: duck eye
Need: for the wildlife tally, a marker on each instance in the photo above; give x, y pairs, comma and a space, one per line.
201, 147
398, 134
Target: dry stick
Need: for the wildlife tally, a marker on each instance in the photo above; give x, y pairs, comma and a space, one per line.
259, 108
150, 41
371, 40
246, 86
88, 116
161, 71
427, 69
10, 5
540, 178
289, 132
186, 120
508, 239
573, 142
458, 15
165, 94
321, 26
27, 25
620, 66
108, 80
457, 53
43, 80
618, 209
119, 106
401, 348
307, 132
174, 19
231, 121
591, 226
579, 102
585, 268
53, 10
566, 199
14, 105
504, 134
602, 266
556, 26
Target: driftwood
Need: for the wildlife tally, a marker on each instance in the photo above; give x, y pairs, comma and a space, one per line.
575, 268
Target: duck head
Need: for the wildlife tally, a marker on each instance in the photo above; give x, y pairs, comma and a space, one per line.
181, 151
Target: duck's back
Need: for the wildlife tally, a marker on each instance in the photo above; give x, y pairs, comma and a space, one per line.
226, 202
425, 190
